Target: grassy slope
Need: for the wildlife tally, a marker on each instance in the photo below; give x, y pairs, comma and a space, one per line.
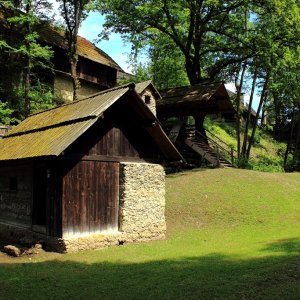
266, 154
232, 234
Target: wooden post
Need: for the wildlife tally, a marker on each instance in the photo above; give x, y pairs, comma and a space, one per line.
231, 154
218, 156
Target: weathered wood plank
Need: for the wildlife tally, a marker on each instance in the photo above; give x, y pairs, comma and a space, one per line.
91, 195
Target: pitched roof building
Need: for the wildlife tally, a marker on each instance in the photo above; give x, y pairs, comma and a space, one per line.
86, 174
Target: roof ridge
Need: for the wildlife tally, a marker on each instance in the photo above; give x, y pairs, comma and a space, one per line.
190, 86
130, 85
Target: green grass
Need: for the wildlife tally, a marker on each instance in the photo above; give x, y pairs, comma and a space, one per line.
232, 234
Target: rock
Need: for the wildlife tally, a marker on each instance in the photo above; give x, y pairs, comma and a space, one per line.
38, 246
12, 250
31, 251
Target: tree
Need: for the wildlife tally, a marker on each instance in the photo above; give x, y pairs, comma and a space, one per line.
21, 52
275, 42
166, 64
207, 33
73, 12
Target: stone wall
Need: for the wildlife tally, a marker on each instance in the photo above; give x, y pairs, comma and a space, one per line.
16, 195
63, 89
142, 201
152, 104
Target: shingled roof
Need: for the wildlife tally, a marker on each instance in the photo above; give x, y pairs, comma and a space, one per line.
209, 97
55, 37
85, 48
50, 132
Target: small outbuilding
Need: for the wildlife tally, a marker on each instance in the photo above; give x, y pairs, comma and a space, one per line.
149, 94
86, 174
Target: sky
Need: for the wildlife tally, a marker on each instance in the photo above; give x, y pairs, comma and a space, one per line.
114, 47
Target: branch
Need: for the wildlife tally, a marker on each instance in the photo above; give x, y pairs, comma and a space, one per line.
214, 70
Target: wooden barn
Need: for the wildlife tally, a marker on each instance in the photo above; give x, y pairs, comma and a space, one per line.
86, 174
96, 70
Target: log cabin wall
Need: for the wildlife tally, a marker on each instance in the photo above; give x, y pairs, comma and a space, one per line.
91, 71
16, 194
30, 197
93, 77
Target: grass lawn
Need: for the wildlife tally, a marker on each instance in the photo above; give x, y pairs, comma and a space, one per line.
232, 234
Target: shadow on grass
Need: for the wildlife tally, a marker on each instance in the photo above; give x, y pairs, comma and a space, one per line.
210, 277
285, 245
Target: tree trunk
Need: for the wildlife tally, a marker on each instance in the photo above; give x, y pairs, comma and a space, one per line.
238, 113
75, 81
278, 119
261, 101
290, 140
193, 71
199, 126
27, 69
244, 147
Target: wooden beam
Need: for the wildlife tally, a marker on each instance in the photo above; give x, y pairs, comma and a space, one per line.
104, 158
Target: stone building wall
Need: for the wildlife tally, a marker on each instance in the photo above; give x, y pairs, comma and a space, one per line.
152, 104
4, 129
16, 195
63, 89
142, 200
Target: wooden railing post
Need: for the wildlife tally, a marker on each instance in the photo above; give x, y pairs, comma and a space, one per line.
218, 156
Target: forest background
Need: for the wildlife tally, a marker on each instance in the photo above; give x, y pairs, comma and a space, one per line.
252, 43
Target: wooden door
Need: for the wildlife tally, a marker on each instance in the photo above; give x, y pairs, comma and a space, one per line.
91, 197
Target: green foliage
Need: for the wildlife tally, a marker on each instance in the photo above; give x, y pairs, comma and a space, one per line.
22, 54
5, 114
167, 64
41, 97
207, 34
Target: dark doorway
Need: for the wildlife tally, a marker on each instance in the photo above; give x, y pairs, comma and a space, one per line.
39, 197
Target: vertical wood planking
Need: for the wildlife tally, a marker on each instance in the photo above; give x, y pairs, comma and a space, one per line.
91, 197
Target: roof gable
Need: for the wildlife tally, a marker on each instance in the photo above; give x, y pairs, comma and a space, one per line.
50, 132
142, 86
